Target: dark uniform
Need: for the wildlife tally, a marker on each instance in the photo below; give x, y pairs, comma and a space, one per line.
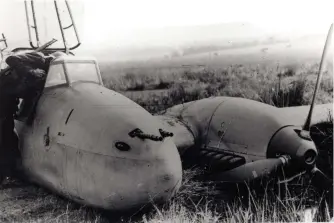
25, 80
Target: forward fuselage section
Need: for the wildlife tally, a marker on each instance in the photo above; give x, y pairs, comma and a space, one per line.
73, 148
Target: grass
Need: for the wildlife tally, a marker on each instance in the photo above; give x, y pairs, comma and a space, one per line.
259, 206
22, 201
197, 201
278, 86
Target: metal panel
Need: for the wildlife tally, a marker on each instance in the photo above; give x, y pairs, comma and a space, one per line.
244, 126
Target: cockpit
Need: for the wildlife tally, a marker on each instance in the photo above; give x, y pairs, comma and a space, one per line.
64, 71
68, 70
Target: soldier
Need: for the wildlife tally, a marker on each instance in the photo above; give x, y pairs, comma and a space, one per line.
25, 80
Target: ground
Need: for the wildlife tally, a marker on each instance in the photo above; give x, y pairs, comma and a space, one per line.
197, 201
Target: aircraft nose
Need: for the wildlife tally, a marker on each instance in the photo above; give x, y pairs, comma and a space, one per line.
125, 171
143, 181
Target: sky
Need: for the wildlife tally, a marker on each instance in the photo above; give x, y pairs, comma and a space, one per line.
108, 22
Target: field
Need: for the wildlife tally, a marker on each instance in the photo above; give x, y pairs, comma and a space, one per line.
159, 84
267, 77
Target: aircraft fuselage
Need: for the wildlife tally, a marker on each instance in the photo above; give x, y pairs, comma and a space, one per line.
79, 146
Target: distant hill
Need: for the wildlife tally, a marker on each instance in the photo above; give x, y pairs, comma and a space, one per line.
174, 42
151, 42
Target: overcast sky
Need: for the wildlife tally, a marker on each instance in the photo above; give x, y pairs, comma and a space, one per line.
106, 21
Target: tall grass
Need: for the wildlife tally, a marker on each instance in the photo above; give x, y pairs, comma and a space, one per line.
258, 205
280, 86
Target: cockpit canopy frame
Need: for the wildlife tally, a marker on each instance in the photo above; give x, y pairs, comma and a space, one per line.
68, 70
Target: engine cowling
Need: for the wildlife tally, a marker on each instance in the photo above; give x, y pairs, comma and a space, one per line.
287, 141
